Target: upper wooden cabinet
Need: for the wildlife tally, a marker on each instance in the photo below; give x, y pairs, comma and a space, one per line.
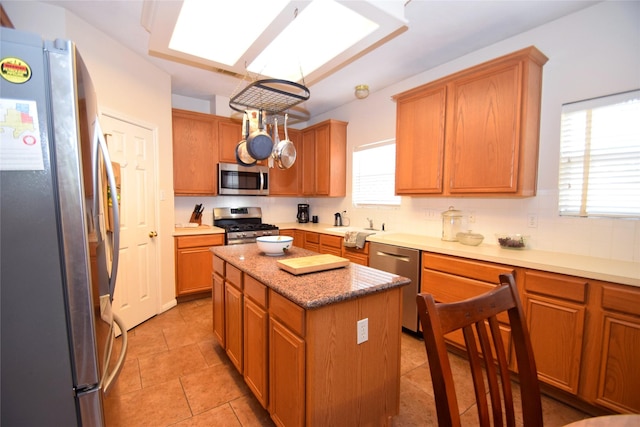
195, 153
323, 157
474, 132
286, 182
229, 135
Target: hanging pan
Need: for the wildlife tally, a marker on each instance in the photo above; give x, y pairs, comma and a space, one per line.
284, 152
259, 143
242, 155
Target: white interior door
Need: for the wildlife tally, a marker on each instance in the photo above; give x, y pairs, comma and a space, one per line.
133, 148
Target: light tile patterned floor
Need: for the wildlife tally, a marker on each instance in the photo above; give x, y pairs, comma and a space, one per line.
176, 374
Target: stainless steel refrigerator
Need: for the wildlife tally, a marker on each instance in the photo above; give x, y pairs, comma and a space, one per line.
57, 358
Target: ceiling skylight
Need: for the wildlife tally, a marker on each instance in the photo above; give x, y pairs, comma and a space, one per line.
291, 40
222, 31
317, 35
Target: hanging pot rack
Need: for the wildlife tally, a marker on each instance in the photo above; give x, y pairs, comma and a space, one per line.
270, 95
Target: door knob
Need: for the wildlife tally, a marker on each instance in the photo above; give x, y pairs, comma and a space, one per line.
152, 234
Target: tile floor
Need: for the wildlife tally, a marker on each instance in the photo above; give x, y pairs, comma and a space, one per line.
176, 374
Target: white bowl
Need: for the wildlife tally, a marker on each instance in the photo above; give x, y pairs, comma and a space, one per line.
470, 239
274, 245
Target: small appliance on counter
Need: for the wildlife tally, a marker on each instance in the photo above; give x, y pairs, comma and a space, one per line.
303, 213
451, 224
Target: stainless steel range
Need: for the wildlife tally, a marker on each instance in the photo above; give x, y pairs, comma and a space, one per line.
242, 225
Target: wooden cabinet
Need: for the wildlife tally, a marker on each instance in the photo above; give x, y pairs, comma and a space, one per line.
451, 279
420, 141
286, 362
217, 297
323, 158
229, 135
555, 309
355, 255
195, 154
475, 132
233, 304
312, 241
330, 244
194, 263
256, 339
611, 376
286, 182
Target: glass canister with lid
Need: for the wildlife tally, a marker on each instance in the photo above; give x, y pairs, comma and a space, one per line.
451, 224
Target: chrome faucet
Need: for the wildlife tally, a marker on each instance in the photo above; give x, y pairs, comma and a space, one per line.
370, 223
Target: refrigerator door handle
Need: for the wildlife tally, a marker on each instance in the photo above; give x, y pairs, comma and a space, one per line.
100, 147
110, 377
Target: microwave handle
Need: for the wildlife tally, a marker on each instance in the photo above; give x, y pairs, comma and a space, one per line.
262, 174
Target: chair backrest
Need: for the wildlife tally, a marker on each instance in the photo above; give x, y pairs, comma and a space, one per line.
473, 316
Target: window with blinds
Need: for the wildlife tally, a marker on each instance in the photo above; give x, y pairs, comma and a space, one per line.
600, 157
374, 174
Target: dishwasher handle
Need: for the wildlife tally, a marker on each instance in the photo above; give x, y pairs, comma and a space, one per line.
394, 256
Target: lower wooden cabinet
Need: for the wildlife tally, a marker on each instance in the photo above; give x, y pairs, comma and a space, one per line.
255, 339
217, 297
555, 308
194, 262
286, 375
355, 255
450, 279
312, 241
611, 376
330, 244
585, 333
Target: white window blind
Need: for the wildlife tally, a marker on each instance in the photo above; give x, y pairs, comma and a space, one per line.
374, 177
600, 157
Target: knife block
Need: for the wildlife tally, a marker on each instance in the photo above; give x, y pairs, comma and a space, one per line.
195, 220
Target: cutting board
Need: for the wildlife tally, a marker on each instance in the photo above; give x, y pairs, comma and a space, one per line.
312, 264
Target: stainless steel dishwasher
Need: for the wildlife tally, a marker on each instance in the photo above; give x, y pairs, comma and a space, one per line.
403, 262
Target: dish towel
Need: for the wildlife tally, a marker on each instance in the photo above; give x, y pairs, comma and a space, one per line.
355, 239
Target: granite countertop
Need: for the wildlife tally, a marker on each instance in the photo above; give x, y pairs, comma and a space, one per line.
310, 290
623, 272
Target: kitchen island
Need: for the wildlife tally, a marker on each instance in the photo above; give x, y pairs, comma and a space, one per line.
295, 339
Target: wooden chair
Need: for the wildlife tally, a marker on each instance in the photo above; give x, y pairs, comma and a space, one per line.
476, 314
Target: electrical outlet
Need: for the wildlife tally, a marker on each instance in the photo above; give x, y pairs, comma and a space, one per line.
431, 215
532, 221
363, 330
472, 217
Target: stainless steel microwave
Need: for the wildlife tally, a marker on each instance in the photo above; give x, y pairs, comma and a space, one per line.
235, 179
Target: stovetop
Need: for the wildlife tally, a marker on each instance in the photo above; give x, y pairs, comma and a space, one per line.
242, 225
231, 228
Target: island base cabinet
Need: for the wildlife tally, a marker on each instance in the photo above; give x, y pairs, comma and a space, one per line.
255, 350
351, 384
217, 296
286, 376
233, 324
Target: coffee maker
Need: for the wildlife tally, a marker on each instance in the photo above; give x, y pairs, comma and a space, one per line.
303, 213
